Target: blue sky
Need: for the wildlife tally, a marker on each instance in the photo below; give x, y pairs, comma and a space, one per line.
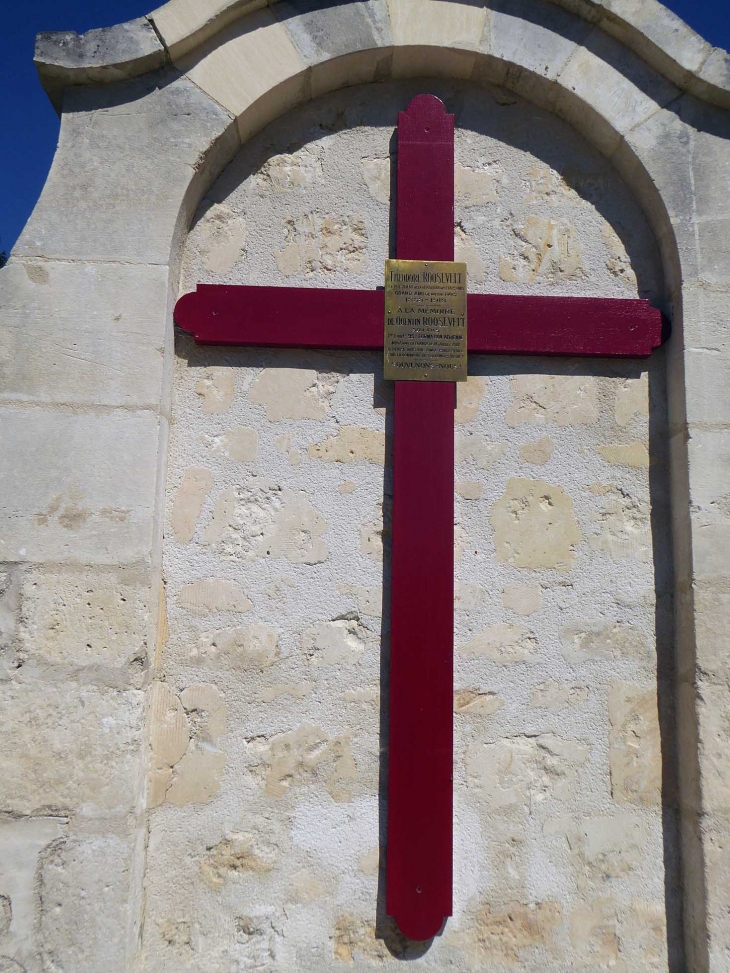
29, 126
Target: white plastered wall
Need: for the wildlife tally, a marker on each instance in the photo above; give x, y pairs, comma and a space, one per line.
86, 301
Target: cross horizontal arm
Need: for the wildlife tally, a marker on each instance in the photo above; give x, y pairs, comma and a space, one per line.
305, 317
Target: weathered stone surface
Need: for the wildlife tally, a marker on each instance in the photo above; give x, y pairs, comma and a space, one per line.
61, 740
546, 251
254, 647
466, 251
175, 128
525, 599
521, 769
97, 620
566, 400
221, 236
534, 525
538, 452
623, 526
350, 445
376, 176
239, 852
554, 695
594, 932
23, 844
87, 503
369, 601
414, 22
603, 848
88, 922
323, 244
504, 934
213, 595
293, 393
476, 702
617, 641
503, 643
308, 754
260, 519
195, 778
635, 744
632, 399
82, 334
215, 389
319, 36
189, 499
468, 489
476, 449
335, 643
469, 395
475, 187
630, 454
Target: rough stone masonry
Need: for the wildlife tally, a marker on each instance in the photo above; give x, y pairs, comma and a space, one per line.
195, 541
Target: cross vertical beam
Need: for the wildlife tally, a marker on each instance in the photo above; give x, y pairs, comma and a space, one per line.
420, 781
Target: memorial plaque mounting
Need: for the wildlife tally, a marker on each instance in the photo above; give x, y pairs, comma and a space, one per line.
425, 321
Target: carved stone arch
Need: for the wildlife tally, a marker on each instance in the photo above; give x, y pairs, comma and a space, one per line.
151, 113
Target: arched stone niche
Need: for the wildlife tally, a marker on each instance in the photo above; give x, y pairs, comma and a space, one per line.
101, 255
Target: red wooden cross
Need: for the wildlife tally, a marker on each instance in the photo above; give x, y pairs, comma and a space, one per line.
419, 841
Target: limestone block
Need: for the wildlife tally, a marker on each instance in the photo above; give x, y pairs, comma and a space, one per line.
90, 895
98, 620
712, 634
82, 334
524, 599
23, 843
540, 39
216, 389
632, 399
95, 205
184, 24
714, 737
323, 244
469, 395
322, 33
220, 238
623, 526
196, 776
213, 595
468, 489
503, 934
351, 444
298, 690
503, 643
476, 702
547, 251
336, 643
254, 647
537, 453
376, 176
566, 400
359, 67
603, 848
236, 854
256, 41
474, 187
635, 744
259, 519
356, 937
471, 447
534, 525
189, 499
293, 393
716, 72
466, 251
308, 754
369, 601
436, 22
524, 770
92, 499
594, 932
714, 250
298, 170
554, 696
625, 454
616, 641
97, 56
61, 740
617, 84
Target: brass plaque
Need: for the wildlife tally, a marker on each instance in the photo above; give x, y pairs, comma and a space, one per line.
425, 321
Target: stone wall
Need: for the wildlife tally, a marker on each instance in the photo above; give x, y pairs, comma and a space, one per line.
269, 710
